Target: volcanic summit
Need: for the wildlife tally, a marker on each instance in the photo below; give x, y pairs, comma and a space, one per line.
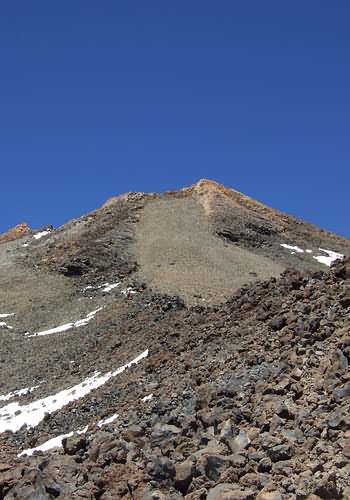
190, 344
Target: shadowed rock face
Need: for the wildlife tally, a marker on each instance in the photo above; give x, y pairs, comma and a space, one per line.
241, 386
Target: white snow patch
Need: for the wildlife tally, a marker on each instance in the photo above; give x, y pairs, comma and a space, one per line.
108, 420
37, 236
55, 442
105, 287
128, 291
13, 416
89, 317
323, 259
110, 287
329, 258
5, 325
94, 287
291, 247
67, 326
147, 398
6, 315
19, 393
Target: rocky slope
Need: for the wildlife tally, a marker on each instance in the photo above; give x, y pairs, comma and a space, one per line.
192, 345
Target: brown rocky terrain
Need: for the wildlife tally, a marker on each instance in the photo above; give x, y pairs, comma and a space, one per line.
242, 386
15, 232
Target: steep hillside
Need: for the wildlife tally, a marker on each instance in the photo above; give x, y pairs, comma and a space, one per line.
197, 343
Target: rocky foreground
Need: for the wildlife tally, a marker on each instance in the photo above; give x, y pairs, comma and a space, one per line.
245, 400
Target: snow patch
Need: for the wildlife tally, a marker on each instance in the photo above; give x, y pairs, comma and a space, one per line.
329, 258
67, 326
323, 259
41, 234
13, 416
108, 420
291, 247
19, 393
105, 287
55, 442
5, 325
147, 398
128, 291
94, 287
110, 287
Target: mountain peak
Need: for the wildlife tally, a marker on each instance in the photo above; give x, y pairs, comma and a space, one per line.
207, 186
203, 286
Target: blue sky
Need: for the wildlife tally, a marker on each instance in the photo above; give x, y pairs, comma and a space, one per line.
99, 98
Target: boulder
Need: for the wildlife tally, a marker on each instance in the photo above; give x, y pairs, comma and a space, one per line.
183, 476
161, 468
280, 452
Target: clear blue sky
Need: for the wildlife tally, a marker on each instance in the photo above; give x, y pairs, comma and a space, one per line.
103, 97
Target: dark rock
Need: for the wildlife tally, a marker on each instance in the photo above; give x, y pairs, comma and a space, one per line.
72, 270
164, 432
72, 445
184, 474
212, 465
265, 465
327, 488
278, 323
345, 302
31, 487
161, 468
335, 420
283, 411
342, 392
280, 452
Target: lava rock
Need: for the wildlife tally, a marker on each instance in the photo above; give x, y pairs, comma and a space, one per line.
161, 468
280, 452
